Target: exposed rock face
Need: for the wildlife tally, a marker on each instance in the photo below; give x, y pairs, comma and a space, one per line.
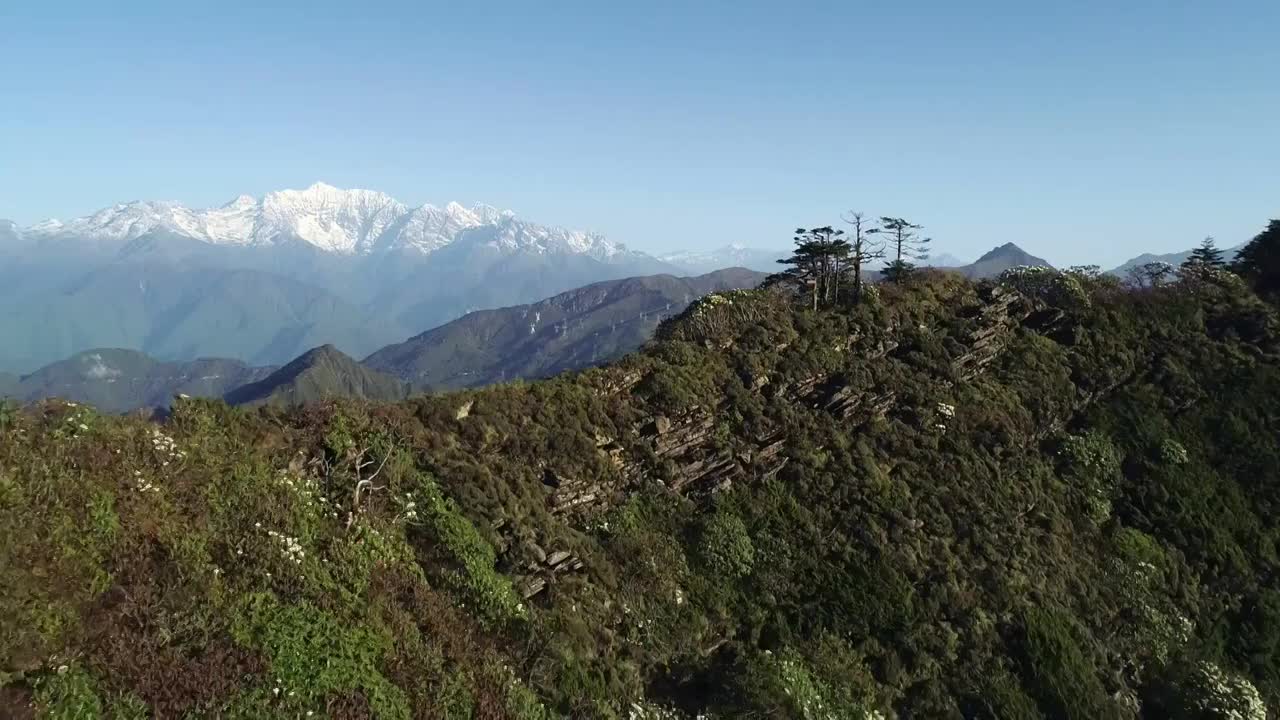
687, 455
697, 463
538, 575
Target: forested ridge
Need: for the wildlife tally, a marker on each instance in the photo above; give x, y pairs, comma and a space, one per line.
1048, 496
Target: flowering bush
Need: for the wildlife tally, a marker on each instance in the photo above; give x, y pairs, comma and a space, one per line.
1219, 695
1093, 463
1050, 286
1172, 452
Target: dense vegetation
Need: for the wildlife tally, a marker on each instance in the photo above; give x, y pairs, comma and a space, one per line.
1047, 497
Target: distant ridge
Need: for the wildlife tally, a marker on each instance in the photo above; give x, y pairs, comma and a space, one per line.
116, 380
729, 256
997, 260
1174, 259
572, 330
319, 374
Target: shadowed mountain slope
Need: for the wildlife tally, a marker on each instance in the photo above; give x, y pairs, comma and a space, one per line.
572, 330
319, 374
117, 380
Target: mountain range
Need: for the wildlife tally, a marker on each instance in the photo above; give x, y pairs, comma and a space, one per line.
1174, 259
582, 327
263, 279
585, 326
569, 331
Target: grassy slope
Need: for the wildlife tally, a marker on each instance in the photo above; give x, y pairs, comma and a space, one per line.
952, 502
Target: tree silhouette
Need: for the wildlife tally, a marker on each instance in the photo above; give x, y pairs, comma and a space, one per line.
1259, 262
1207, 255
906, 246
1150, 275
862, 249
819, 259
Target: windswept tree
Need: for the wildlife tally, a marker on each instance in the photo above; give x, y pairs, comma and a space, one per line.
1150, 275
1259, 263
820, 258
905, 246
1207, 255
862, 249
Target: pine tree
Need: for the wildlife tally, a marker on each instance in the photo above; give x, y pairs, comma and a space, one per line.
1259, 263
819, 259
1206, 256
906, 246
861, 250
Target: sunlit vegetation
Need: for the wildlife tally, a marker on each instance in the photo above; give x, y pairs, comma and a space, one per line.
1052, 496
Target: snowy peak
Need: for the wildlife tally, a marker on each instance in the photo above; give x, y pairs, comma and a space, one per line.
243, 201
429, 228
335, 220
342, 221
516, 236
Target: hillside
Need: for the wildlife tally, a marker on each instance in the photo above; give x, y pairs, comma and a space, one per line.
1047, 498
572, 330
319, 374
114, 380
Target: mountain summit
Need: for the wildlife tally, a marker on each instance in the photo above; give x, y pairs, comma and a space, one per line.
322, 372
999, 259
331, 219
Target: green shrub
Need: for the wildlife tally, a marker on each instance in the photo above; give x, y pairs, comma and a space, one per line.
1058, 669
313, 654
726, 546
489, 591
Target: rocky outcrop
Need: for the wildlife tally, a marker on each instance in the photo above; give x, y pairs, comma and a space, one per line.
685, 453
543, 570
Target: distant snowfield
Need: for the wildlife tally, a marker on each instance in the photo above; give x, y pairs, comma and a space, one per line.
331, 219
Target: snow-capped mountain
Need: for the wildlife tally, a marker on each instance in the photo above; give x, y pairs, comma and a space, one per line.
258, 278
349, 222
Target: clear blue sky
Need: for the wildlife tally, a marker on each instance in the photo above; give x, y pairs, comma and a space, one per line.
1083, 131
